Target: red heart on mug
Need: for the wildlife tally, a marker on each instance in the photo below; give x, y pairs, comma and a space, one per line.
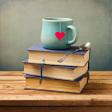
60, 35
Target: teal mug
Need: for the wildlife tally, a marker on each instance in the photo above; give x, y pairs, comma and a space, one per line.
58, 33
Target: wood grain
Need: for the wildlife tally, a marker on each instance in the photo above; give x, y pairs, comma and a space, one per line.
56, 109
97, 93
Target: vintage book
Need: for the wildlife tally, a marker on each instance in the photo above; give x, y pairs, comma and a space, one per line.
37, 53
50, 84
56, 71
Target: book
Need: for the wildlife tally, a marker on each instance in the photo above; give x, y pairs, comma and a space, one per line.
55, 71
50, 84
37, 53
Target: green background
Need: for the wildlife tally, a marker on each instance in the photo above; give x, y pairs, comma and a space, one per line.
20, 27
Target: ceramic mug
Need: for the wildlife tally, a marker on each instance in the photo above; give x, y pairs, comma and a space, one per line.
58, 33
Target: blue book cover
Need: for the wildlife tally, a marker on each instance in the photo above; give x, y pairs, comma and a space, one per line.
69, 50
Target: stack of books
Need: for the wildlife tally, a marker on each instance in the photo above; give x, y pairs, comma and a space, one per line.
44, 70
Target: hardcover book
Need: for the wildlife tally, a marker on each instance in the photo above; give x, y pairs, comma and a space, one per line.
37, 53
49, 84
55, 71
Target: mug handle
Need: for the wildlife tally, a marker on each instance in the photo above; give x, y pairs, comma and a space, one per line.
74, 33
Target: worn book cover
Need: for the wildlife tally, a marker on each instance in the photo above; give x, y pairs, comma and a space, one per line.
37, 53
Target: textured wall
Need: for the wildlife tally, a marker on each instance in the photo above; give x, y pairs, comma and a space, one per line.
20, 26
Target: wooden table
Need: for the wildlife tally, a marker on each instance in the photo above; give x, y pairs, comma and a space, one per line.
97, 96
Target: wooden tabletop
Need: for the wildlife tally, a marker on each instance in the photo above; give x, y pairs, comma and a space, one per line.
98, 92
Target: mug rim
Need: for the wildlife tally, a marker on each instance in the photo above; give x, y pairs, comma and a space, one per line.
56, 19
